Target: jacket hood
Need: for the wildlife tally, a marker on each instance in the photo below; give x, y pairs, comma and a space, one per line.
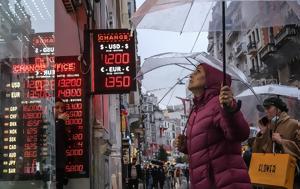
214, 80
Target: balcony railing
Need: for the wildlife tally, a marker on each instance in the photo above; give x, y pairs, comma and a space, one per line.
285, 34
267, 50
240, 50
251, 48
231, 35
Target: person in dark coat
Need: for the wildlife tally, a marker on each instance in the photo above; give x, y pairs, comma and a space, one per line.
161, 177
248, 153
60, 142
149, 178
134, 174
155, 175
216, 127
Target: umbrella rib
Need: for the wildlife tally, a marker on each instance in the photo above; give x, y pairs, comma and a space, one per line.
184, 67
172, 88
187, 16
198, 35
190, 61
250, 88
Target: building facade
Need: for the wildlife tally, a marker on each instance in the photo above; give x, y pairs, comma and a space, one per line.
70, 24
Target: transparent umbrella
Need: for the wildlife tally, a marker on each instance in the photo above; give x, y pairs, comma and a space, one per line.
188, 62
208, 15
290, 95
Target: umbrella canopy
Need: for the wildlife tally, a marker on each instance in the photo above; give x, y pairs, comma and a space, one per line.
206, 15
273, 89
290, 95
188, 61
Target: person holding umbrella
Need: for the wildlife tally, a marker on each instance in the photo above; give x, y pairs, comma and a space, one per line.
282, 135
215, 129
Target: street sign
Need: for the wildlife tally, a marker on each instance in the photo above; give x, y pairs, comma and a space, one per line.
114, 61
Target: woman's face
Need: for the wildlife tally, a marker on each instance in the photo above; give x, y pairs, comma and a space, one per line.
197, 79
59, 108
271, 111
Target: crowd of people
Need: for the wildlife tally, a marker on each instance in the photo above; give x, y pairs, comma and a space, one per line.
157, 176
165, 176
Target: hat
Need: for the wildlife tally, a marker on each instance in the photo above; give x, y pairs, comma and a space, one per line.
277, 102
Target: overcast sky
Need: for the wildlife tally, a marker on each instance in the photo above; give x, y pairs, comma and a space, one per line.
151, 42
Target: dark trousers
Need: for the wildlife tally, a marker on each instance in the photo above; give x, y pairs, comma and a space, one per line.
133, 184
60, 178
161, 184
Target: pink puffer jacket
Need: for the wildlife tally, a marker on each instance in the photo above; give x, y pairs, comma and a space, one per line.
214, 141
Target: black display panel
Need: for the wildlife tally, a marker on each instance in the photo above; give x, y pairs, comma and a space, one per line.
114, 61
71, 88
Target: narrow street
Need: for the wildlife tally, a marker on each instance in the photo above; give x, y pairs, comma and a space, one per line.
177, 94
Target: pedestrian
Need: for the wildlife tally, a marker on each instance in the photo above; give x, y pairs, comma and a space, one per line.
169, 176
161, 177
248, 152
134, 174
60, 142
155, 177
215, 129
187, 175
177, 177
149, 178
281, 134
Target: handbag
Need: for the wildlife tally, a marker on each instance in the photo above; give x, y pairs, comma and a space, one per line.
272, 170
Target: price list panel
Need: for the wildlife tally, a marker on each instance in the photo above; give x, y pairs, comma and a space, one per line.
114, 61
27, 124
70, 87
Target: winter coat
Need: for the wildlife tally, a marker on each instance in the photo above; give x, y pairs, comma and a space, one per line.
290, 132
213, 140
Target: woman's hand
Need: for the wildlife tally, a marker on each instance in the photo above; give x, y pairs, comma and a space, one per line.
277, 138
226, 96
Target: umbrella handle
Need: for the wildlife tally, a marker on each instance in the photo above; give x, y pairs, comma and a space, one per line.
224, 41
231, 110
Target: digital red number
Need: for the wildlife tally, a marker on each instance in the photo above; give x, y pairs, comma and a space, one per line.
65, 93
126, 81
74, 152
30, 154
75, 114
78, 136
32, 115
117, 81
40, 84
31, 131
116, 58
33, 123
74, 122
38, 94
74, 82
74, 168
74, 106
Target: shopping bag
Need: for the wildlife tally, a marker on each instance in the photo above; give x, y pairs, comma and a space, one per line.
272, 170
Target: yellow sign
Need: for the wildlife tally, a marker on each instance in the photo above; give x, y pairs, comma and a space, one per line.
272, 170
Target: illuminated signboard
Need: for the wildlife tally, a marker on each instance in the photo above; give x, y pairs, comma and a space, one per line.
27, 124
114, 61
71, 88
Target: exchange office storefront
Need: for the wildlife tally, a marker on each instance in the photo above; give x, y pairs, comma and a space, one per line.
32, 81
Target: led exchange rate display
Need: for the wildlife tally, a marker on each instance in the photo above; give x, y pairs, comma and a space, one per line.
114, 61
27, 124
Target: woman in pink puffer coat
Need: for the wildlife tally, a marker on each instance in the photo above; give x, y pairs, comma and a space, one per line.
214, 134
